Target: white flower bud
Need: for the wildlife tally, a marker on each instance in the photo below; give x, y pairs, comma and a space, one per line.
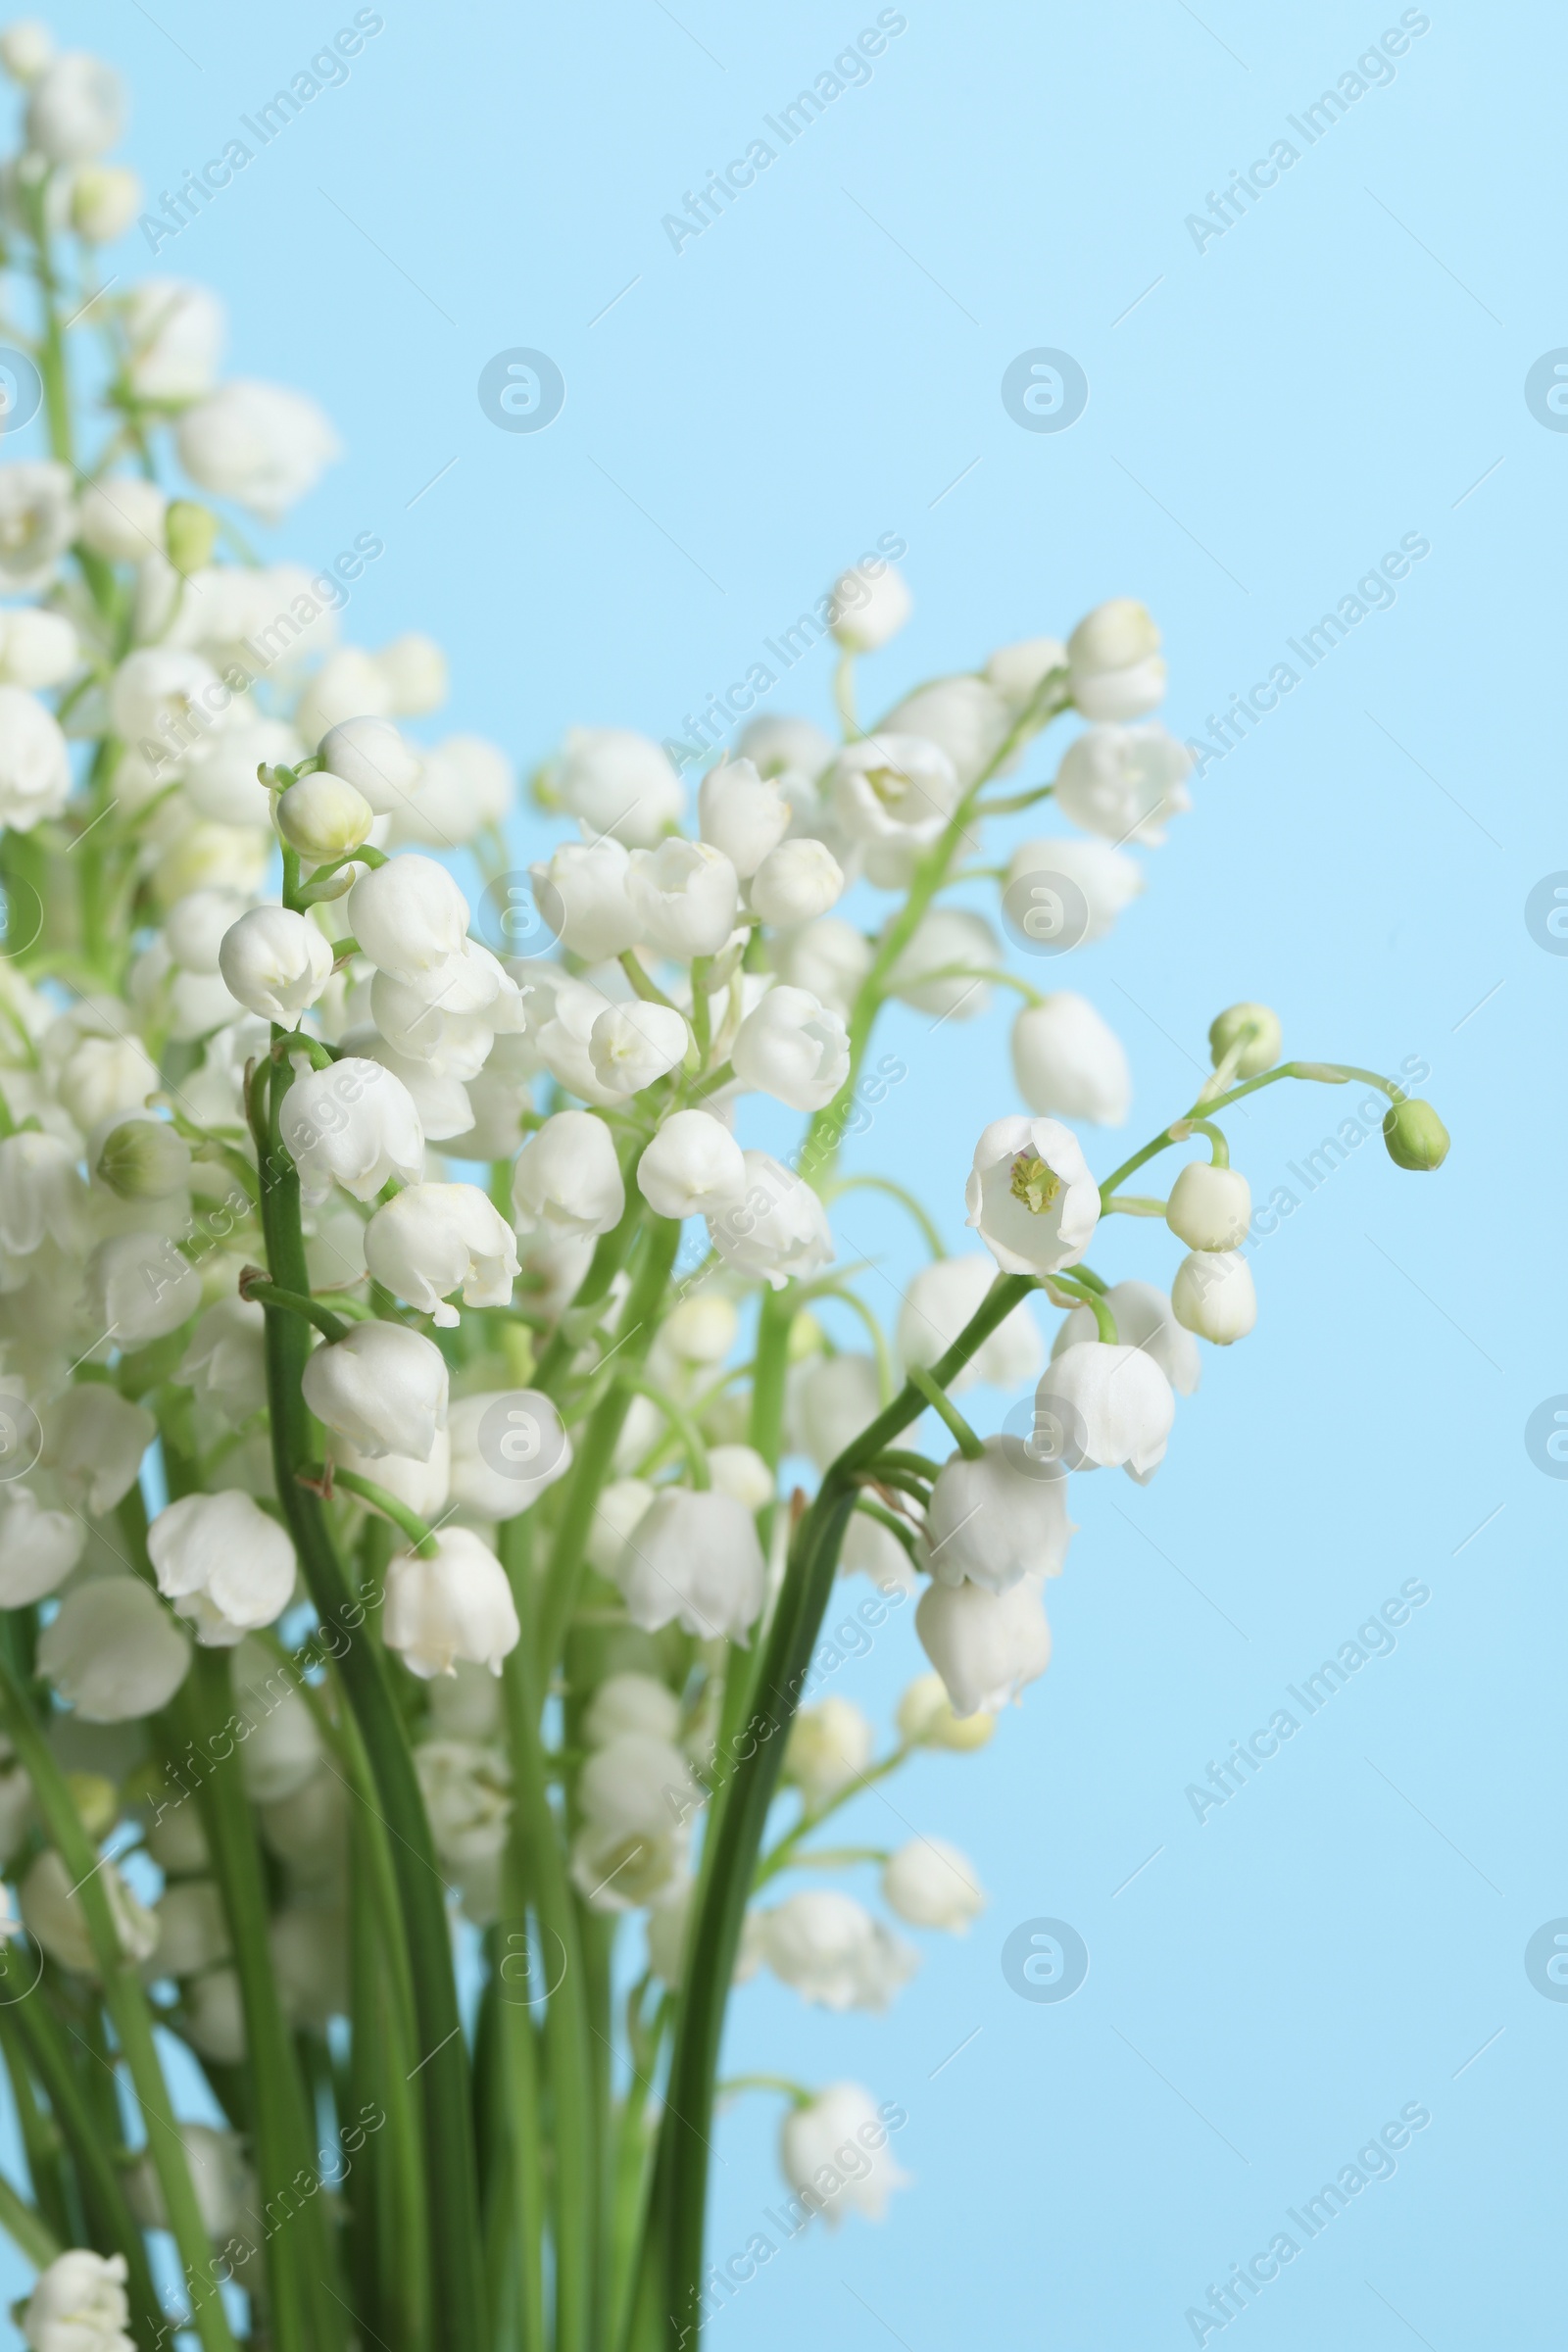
1070, 1062
995, 1521
176, 333
925, 1719
985, 1646
796, 883
1030, 1196
93, 1440
567, 1177
39, 1547
34, 767
26, 47
774, 745
895, 793
37, 522
76, 109
261, 445
829, 1949
791, 1047
703, 1328
582, 892
942, 969
1209, 1208
695, 1558
221, 778
141, 1287
831, 1401
37, 648
632, 1046
631, 1702
780, 1227
941, 1299
104, 1076
1113, 656
693, 1167
79, 2303
372, 756
103, 199
741, 815
930, 1884
1143, 1320
112, 1652
275, 962
1213, 1295
382, 1387
456, 1605
615, 781
1125, 782
226, 1362
41, 1195
830, 1748
323, 818
741, 1471
1252, 1028
963, 717
123, 518
620, 1505
1078, 888
409, 917
223, 1562
437, 1238
1099, 1406
142, 1159
507, 1446
1018, 672
352, 1121
841, 2138
870, 604
829, 957
685, 896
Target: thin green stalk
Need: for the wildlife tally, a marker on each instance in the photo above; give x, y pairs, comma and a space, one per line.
1318, 1073
27, 2228
968, 1445
521, 2212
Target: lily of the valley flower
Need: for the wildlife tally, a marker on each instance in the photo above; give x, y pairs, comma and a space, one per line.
434, 1238
456, 1605
1030, 1196
937, 1304
1124, 782
1105, 1407
567, 1178
829, 1949
1070, 1062
991, 1522
793, 1047
985, 1646
1143, 1320
275, 963
1209, 1208
778, 1228
693, 1168
694, 1558
224, 1563
834, 2156
930, 1884
1114, 662
113, 1652
382, 1387
1213, 1295
79, 2305
353, 1122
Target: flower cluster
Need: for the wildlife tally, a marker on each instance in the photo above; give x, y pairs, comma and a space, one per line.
429, 1431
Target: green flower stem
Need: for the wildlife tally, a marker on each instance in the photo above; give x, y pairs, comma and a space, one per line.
521, 2219
596, 1452
894, 1191
643, 982
539, 1869
673, 2243
1132, 1205
127, 2005
442, 2065
57, 2199
888, 1519
968, 1443
1318, 1073
769, 1374
796, 2093
255, 1285
679, 1422
1092, 1295
316, 1474
862, 1315
634, 2167
27, 2228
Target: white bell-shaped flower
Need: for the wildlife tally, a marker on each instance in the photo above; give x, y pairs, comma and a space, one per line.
76, 109
827, 955
1213, 1296
943, 969
223, 1562
694, 1558
382, 1387
324, 816
1030, 1196
829, 1401
567, 1179
507, 1446
685, 896
93, 1440
1124, 782
793, 1047
834, 2154
55, 1916
353, 1122
797, 883
1017, 671
995, 1521
370, 755
1073, 890
615, 781
778, 1228
456, 1605
693, 1167
434, 1238
410, 917
894, 794
742, 813
1209, 1208
871, 602
79, 2304
226, 1361
259, 443
34, 765
113, 1652
632, 1046
1145, 1320
275, 962
631, 1702
141, 1287
1114, 664
423, 1487
930, 1884
985, 1646
1069, 1062
830, 1750
582, 892
42, 1196
965, 716
946, 1295
829, 1949
39, 1547
1099, 1406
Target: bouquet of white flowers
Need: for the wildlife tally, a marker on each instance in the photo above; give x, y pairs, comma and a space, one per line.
403, 1628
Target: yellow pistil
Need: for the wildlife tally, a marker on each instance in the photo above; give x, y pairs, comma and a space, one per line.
1035, 1184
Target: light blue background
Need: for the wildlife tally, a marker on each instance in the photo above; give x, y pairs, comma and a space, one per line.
1342, 366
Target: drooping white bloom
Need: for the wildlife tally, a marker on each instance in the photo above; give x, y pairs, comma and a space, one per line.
830, 1748
741, 1471
224, 1563
631, 1702
943, 968
353, 1122
930, 1884
616, 781
325, 817
871, 1550
382, 1387
780, 1227
507, 1446
79, 2303
831, 1400
741, 813
797, 883
218, 771
1099, 1406
113, 1652
925, 1718
695, 1558
1017, 671
834, 2154
781, 744
830, 1950
701, 1329
638, 1797
1115, 660
437, 1238
685, 896
41, 1196
620, 1505
466, 785
1209, 1208
993, 1522
165, 695
965, 716
1074, 889
25, 48
895, 794
103, 1077
829, 957
37, 648
567, 1177
192, 1931
1213, 1295
634, 1044
55, 1916
1124, 782
175, 333
141, 1287
872, 603
1145, 1320
793, 1047
1030, 1196
261, 445
226, 1361
93, 1440
985, 1646
34, 765
76, 109
275, 962
693, 1168
37, 519
104, 198
39, 1547
441, 1104
456, 1605
581, 891
123, 518
410, 917
941, 1299
371, 755
1070, 1062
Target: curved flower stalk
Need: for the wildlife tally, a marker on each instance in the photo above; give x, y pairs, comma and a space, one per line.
431, 1429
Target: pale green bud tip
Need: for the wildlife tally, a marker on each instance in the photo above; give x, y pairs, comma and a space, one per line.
143, 1160
1260, 1049
189, 531
96, 1800
1415, 1136
322, 816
